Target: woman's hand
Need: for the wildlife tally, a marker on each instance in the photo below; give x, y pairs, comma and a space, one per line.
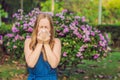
44, 36
39, 38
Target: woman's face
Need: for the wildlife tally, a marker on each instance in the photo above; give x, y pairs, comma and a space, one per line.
44, 24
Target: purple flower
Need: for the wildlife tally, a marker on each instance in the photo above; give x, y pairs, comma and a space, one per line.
102, 43
30, 29
77, 17
14, 15
64, 11
21, 37
17, 37
57, 14
14, 29
79, 36
25, 25
89, 27
81, 48
57, 31
62, 17
75, 22
101, 37
1, 37
14, 46
86, 31
61, 34
9, 35
30, 23
78, 54
96, 56
65, 54
83, 19
92, 33
76, 32
66, 30
20, 10
71, 27
81, 57
30, 14
17, 24
97, 31
86, 38
83, 27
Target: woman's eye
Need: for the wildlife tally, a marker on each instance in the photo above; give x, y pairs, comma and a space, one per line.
45, 26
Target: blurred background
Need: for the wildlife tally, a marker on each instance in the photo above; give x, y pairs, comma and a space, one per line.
101, 14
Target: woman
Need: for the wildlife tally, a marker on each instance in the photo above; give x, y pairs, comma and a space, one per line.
42, 50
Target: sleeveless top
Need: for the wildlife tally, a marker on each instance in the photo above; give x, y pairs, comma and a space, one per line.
42, 71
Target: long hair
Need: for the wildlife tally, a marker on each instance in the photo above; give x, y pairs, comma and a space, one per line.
35, 31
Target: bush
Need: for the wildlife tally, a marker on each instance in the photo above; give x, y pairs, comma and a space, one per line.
114, 31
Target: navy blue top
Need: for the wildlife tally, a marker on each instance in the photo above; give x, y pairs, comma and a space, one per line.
42, 71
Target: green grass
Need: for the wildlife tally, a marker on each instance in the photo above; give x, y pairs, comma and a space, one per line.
108, 68
104, 69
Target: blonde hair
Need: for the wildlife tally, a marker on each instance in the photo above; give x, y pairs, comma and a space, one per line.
35, 31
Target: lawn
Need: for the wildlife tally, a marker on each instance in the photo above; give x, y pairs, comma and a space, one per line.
102, 69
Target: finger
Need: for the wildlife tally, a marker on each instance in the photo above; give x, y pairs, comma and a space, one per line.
48, 33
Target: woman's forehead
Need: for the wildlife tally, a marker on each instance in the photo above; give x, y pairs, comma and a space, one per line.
44, 21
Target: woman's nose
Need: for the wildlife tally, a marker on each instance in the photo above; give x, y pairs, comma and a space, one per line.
43, 27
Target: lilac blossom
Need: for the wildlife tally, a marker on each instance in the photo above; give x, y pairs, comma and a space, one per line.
86, 31
101, 36
86, 38
14, 46
61, 34
92, 33
14, 29
14, 15
83, 19
1, 37
58, 14
77, 17
65, 54
62, 17
76, 32
96, 56
82, 27
17, 37
75, 22
89, 27
64, 11
71, 27
58, 31
65, 30
9, 35
102, 43
17, 24
78, 54
79, 36
30, 29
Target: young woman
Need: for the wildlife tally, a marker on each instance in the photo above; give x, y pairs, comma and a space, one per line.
42, 50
